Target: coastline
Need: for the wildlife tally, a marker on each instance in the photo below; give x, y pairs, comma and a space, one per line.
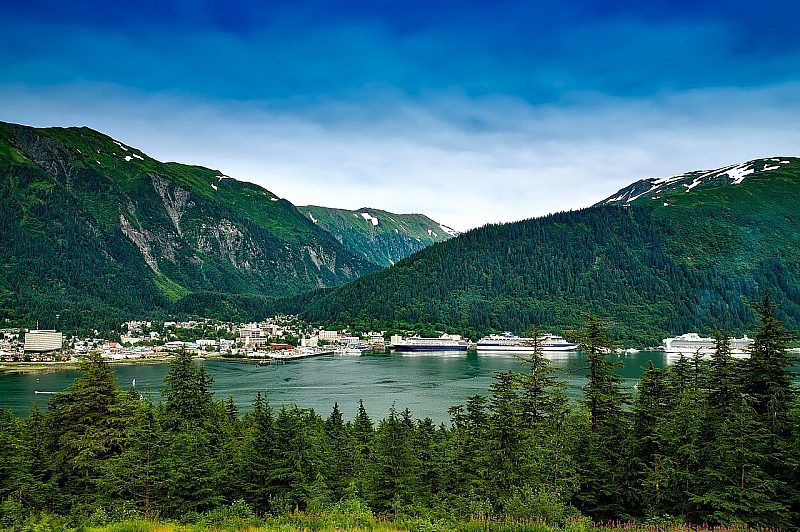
35, 367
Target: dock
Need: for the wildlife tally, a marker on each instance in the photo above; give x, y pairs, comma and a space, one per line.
297, 354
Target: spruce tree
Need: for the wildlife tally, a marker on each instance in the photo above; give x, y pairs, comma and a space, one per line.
259, 455
91, 420
507, 439
189, 399
604, 477
769, 382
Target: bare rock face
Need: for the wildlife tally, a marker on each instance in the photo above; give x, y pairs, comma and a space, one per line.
142, 238
174, 202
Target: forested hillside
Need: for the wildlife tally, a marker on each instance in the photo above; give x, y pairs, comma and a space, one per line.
656, 270
93, 232
382, 237
704, 442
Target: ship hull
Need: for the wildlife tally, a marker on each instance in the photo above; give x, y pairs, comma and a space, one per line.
523, 348
419, 348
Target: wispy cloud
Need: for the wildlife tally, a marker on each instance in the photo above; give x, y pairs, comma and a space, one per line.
471, 112
462, 160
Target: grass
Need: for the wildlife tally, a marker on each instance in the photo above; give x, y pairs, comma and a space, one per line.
171, 290
362, 523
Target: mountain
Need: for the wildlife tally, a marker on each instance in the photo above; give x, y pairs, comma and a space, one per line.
654, 259
93, 229
667, 189
379, 236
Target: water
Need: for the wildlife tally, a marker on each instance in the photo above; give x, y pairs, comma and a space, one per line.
427, 384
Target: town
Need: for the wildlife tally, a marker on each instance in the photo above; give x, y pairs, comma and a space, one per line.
276, 338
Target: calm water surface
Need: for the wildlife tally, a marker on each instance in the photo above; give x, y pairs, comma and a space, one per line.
428, 384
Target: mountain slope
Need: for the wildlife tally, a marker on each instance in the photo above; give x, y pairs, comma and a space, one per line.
662, 190
379, 236
92, 227
655, 271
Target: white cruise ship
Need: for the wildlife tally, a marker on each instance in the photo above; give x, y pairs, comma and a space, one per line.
508, 343
444, 343
692, 343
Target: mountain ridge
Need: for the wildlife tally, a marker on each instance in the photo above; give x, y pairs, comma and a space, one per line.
380, 236
663, 188
655, 270
126, 232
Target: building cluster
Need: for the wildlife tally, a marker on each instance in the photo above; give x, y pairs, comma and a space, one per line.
149, 339
319, 337
32, 345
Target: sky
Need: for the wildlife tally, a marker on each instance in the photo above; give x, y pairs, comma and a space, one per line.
469, 112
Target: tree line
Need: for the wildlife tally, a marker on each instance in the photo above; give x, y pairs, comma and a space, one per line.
701, 441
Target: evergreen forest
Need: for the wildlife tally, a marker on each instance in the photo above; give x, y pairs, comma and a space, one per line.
713, 441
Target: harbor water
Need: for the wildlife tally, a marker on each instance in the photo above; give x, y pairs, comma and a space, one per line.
427, 384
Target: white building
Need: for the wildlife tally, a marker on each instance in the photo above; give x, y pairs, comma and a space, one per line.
42, 341
328, 335
309, 342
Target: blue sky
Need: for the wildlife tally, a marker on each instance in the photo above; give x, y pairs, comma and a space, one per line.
471, 112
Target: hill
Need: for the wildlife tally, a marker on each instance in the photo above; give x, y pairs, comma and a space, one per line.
655, 267
92, 229
381, 237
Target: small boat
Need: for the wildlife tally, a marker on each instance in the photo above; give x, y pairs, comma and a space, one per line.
356, 348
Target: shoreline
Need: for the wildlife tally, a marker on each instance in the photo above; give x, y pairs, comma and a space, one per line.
35, 367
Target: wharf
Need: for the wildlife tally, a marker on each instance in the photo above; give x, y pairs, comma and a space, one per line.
297, 354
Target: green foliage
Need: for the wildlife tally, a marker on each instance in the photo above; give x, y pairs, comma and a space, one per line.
696, 445
94, 238
658, 271
395, 237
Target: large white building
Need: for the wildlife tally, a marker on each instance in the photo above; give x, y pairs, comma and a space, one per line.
328, 335
43, 341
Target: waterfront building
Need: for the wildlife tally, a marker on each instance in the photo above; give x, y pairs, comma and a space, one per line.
329, 336
43, 341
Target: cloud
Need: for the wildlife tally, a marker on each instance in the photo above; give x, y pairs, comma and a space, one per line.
465, 161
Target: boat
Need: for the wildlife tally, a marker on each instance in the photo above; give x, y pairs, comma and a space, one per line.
510, 343
693, 343
355, 348
445, 342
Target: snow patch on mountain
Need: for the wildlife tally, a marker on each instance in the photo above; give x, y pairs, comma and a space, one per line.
738, 173
694, 183
368, 217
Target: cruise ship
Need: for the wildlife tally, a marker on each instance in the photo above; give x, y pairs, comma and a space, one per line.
445, 342
692, 343
509, 343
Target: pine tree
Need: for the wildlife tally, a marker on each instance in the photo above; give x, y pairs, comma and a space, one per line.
507, 440
91, 421
651, 412
603, 489
768, 378
540, 390
189, 399
138, 473
363, 433
394, 480
340, 468
259, 455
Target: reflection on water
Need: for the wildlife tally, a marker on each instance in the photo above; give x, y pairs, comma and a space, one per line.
426, 384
